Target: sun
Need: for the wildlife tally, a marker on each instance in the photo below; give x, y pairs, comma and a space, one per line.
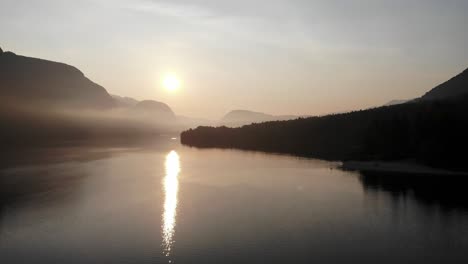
171, 82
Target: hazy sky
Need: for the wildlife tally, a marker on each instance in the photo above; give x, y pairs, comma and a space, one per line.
275, 56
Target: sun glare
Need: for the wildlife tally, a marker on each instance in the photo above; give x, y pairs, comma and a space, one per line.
171, 82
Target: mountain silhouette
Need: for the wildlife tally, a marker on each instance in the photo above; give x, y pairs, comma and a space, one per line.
237, 118
456, 86
123, 101
154, 109
31, 80
44, 102
396, 102
47, 84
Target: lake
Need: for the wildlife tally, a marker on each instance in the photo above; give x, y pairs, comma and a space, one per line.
162, 202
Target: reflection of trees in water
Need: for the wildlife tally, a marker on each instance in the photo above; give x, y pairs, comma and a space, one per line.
446, 192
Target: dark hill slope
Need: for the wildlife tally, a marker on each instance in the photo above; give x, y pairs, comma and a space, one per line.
456, 86
36, 81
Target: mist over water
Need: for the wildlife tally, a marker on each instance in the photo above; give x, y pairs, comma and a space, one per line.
160, 202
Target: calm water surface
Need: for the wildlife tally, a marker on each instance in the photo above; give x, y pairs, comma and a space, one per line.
165, 203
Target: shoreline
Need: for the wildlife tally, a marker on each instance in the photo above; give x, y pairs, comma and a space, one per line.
397, 167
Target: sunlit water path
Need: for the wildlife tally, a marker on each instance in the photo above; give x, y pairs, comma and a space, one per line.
171, 189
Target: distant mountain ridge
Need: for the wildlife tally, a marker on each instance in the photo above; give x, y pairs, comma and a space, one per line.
145, 107
41, 82
33, 81
245, 117
123, 101
396, 102
155, 109
44, 101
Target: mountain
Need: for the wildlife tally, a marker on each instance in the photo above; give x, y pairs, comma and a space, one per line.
123, 102
146, 108
36, 81
159, 112
456, 86
431, 132
44, 102
244, 117
154, 109
396, 102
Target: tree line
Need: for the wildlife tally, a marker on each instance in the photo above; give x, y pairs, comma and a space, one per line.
430, 132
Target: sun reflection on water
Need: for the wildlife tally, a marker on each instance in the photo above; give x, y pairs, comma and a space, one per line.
171, 188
